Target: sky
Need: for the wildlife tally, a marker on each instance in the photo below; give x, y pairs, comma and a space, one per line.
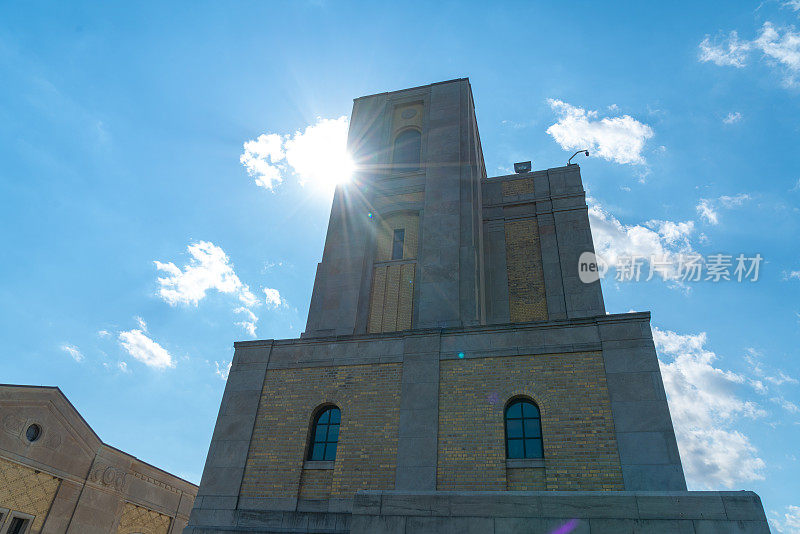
167, 169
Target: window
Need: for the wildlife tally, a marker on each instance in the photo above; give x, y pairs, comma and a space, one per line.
33, 432
325, 435
407, 147
397, 244
523, 430
17, 525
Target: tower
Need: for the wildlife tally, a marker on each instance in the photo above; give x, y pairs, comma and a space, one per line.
455, 372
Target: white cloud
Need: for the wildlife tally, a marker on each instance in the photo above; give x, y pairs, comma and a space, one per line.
73, 351
707, 212
793, 274
789, 523
780, 47
316, 156
274, 298
704, 404
734, 201
103, 333
794, 5
708, 208
208, 268
618, 139
663, 240
787, 405
732, 117
783, 49
753, 358
123, 367
732, 53
248, 324
223, 370
140, 346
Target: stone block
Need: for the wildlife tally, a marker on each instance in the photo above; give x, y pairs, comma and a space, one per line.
409, 478
731, 527
417, 452
699, 505
654, 477
642, 386
449, 525
743, 505
487, 505
563, 504
415, 504
370, 524
643, 448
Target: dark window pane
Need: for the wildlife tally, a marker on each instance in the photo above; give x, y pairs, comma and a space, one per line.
532, 428
397, 244
335, 414
515, 410
319, 435
515, 448
16, 525
324, 416
333, 433
533, 448
529, 410
330, 451
513, 428
318, 452
407, 151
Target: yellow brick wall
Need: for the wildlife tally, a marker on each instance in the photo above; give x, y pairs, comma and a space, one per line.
369, 399
580, 450
526, 479
522, 186
24, 490
392, 295
526, 295
136, 519
316, 483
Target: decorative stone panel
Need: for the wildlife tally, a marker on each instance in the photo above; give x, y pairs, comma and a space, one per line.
139, 520
526, 292
25, 490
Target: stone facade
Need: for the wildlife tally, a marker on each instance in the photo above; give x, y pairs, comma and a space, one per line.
443, 295
66, 480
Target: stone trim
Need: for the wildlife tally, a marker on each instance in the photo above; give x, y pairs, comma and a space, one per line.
521, 463
318, 464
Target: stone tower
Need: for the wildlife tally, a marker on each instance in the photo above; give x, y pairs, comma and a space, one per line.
455, 372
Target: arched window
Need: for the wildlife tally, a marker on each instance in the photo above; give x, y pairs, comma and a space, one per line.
325, 435
407, 147
523, 430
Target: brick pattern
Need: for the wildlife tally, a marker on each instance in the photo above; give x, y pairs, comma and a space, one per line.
522, 186
392, 298
580, 448
399, 122
369, 399
136, 519
526, 479
393, 283
24, 490
316, 483
526, 295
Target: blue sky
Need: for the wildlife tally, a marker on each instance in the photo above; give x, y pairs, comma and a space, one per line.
122, 131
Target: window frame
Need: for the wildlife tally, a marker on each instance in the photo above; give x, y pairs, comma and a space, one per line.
522, 418
312, 441
9, 518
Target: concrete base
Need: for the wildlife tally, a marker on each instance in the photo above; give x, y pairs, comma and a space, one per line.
519, 512
584, 512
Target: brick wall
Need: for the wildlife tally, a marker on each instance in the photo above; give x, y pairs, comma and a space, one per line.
369, 399
521, 186
24, 490
136, 519
580, 449
526, 295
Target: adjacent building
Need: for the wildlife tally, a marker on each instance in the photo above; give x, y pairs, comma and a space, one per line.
456, 374
57, 476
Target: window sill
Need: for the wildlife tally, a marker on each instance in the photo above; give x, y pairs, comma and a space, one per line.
312, 464
520, 463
